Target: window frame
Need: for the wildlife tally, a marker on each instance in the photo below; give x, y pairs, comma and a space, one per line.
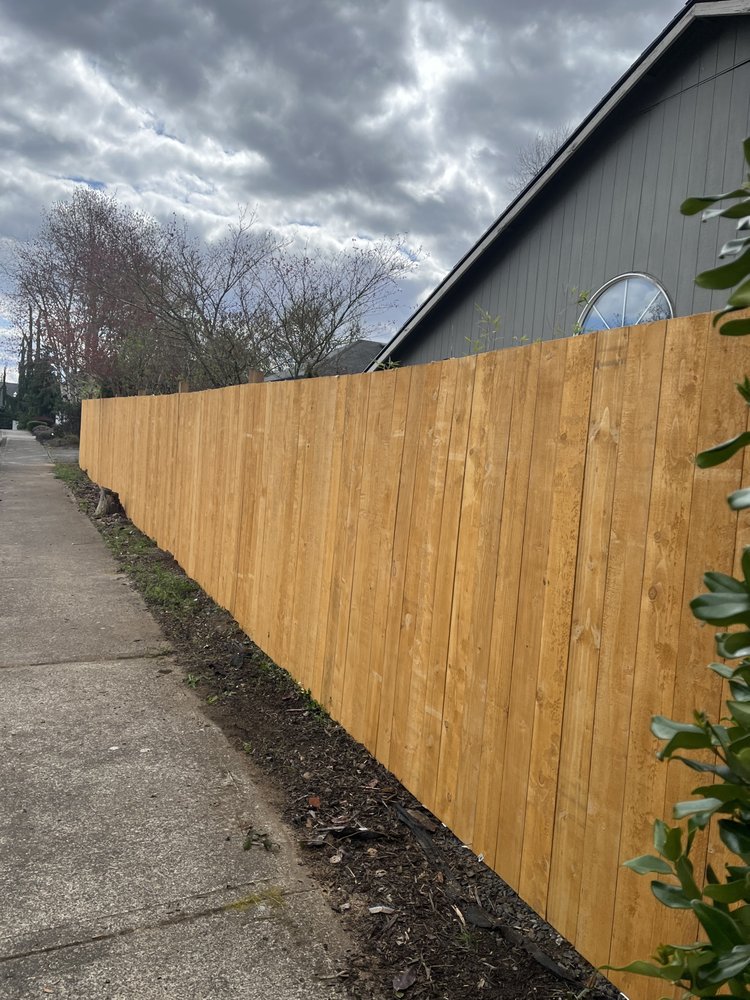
591, 303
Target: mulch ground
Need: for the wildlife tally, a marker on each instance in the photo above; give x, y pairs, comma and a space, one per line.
429, 919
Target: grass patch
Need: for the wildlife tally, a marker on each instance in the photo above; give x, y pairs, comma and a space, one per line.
166, 588
128, 541
71, 475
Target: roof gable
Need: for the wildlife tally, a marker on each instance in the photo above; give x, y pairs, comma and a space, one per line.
654, 54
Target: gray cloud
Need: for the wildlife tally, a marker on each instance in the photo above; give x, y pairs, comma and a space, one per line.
331, 118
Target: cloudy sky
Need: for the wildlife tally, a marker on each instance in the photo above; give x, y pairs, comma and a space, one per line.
332, 119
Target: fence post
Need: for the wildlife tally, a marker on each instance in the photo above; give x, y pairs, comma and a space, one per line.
183, 385
254, 376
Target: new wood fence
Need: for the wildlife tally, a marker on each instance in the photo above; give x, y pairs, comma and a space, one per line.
482, 569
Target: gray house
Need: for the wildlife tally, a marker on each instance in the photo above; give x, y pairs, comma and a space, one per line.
597, 239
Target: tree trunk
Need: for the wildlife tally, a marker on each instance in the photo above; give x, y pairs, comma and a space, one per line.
109, 503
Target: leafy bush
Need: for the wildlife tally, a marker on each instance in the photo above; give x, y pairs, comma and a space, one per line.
722, 905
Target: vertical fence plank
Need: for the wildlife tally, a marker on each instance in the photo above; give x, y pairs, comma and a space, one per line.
297, 468
374, 497
528, 637
224, 564
660, 613
440, 716
395, 681
322, 665
390, 464
314, 504
446, 674
251, 419
345, 542
585, 633
612, 712
506, 600
554, 620
476, 571
421, 570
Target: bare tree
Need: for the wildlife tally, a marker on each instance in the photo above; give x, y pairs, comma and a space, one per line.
314, 304
533, 157
206, 299
120, 302
68, 279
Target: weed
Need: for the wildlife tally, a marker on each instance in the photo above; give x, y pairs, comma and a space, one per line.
71, 475
128, 541
193, 680
255, 839
312, 706
247, 747
584, 994
489, 330
212, 699
273, 895
165, 588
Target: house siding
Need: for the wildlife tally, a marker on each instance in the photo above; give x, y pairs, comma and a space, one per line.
613, 208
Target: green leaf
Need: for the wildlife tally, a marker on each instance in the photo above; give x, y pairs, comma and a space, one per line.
739, 499
723, 932
696, 765
730, 892
660, 835
730, 965
722, 583
740, 297
740, 711
740, 690
722, 669
736, 836
680, 736
725, 791
735, 328
696, 807
722, 452
740, 210
671, 896
665, 729
684, 872
646, 969
740, 764
739, 742
684, 741
733, 645
735, 246
722, 609
648, 863
691, 206
667, 840
729, 274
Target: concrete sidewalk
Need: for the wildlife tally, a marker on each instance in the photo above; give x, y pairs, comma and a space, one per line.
123, 809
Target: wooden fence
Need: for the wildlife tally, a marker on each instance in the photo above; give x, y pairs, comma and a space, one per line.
482, 569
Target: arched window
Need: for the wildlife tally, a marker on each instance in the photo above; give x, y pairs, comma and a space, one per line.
627, 300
